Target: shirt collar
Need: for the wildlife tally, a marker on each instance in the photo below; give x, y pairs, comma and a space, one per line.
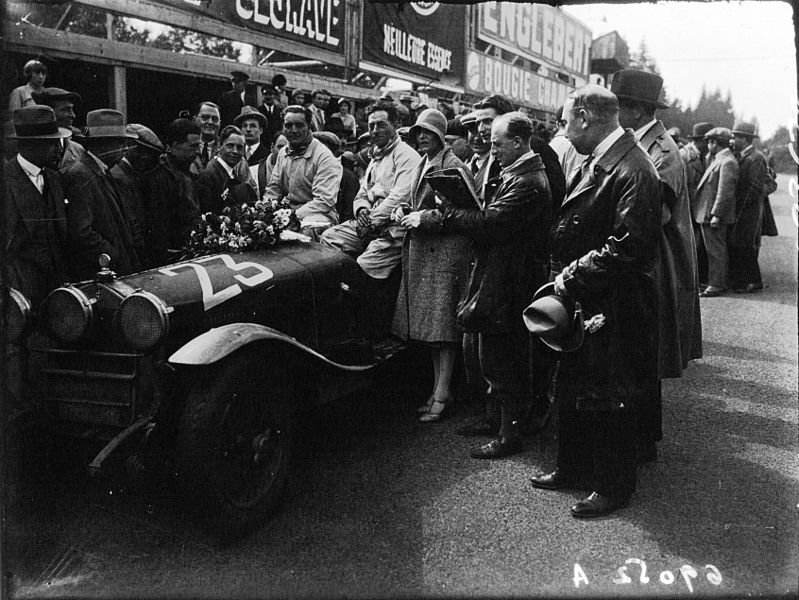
748, 150
641, 131
227, 167
30, 169
605, 144
254, 147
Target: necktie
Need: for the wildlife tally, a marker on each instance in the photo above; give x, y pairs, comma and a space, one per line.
38, 181
247, 152
578, 174
206, 154
475, 168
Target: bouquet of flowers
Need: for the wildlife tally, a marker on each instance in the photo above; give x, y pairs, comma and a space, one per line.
242, 227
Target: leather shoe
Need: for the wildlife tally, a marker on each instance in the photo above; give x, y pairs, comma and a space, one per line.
555, 480
597, 505
711, 291
498, 448
478, 427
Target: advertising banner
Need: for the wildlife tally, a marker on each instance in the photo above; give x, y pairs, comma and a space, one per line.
316, 22
425, 39
486, 75
538, 32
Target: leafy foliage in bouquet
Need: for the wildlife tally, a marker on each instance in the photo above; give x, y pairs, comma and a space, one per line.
242, 227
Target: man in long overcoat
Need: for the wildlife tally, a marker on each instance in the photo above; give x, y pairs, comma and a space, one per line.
604, 244
99, 221
744, 236
679, 318
694, 157
510, 254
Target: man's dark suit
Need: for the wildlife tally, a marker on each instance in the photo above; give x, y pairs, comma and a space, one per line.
130, 187
97, 221
604, 241
274, 123
230, 105
212, 183
555, 176
36, 231
260, 154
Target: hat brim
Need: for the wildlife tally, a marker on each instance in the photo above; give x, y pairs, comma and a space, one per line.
656, 104
414, 131
149, 146
746, 133
258, 117
60, 135
561, 342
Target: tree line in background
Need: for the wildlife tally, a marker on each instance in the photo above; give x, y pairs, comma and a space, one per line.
714, 108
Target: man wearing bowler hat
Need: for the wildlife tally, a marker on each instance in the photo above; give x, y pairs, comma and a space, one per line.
714, 209
34, 205
603, 249
694, 157
744, 236
679, 318
99, 220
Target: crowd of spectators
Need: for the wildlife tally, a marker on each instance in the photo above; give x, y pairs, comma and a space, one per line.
609, 213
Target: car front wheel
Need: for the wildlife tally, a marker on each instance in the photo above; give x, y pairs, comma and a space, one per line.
235, 443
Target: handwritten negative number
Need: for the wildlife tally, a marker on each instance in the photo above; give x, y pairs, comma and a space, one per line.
667, 577
212, 298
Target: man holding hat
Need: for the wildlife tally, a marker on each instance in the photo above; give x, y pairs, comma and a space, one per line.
234, 100
679, 317
98, 218
694, 157
714, 209
603, 248
129, 174
63, 104
34, 206
744, 237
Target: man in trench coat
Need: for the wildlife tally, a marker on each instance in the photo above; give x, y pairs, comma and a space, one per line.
679, 318
604, 247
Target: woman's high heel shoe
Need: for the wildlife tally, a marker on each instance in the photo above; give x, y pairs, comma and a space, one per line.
436, 412
427, 405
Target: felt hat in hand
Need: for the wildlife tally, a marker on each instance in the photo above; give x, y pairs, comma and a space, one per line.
556, 320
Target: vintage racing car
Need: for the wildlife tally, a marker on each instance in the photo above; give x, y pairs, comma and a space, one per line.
201, 367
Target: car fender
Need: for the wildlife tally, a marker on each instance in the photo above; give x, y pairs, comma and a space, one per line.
219, 342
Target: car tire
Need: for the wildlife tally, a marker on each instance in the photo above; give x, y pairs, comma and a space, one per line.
235, 444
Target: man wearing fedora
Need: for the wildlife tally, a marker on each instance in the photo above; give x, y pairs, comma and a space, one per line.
252, 124
34, 205
714, 209
744, 236
603, 249
99, 220
679, 317
129, 174
63, 104
694, 157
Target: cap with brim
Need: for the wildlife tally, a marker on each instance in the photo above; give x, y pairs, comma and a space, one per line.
147, 138
555, 319
52, 94
720, 134
37, 122
107, 123
248, 112
239, 76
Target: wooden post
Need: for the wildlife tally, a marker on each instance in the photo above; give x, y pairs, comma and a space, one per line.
119, 90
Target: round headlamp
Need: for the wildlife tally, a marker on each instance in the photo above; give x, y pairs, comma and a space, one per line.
19, 311
143, 320
67, 314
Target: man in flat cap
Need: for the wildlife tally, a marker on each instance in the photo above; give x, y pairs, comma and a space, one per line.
679, 317
232, 101
99, 220
714, 209
744, 236
694, 157
34, 207
63, 104
603, 249
129, 175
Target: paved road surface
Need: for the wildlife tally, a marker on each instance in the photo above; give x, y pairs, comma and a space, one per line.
384, 506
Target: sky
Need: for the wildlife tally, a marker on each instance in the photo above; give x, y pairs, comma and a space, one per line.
744, 47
